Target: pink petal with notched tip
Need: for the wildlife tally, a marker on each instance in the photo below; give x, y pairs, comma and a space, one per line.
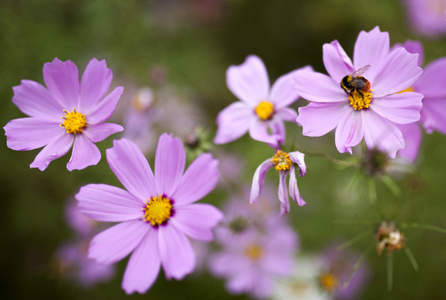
336, 61
259, 177
350, 131
259, 132
57, 147
99, 132
318, 119
432, 82
402, 108
104, 109
85, 153
233, 122
318, 87
282, 92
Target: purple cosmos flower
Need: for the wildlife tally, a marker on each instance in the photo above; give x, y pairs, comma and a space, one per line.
260, 108
283, 163
427, 16
64, 115
360, 98
256, 250
156, 211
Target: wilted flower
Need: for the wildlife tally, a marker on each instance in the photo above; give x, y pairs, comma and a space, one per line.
368, 107
283, 163
64, 115
389, 238
156, 211
260, 107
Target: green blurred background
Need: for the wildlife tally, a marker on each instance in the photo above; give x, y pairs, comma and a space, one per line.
195, 41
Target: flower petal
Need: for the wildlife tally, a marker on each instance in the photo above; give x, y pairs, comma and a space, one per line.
104, 109
402, 108
286, 114
398, 72
282, 92
115, 243
233, 122
298, 158
170, 159
259, 177
433, 115
143, 266
95, 83
196, 220
412, 139
85, 153
283, 193
259, 132
177, 256
382, 134
350, 131
371, 48
249, 81
318, 119
62, 80
30, 133
56, 148
336, 61
431, 82
318, 87
34, 100
414, 47
200, 179
294, 190
99, 132
132, 169
107, 203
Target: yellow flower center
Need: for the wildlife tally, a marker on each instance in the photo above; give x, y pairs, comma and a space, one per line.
158, 210
265, 110
359, 100
74, 121
254, 251
281, 160
409, 89
328, 282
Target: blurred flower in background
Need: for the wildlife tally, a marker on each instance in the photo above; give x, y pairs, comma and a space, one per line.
428, 17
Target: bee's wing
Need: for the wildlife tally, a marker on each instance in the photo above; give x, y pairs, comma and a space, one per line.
361, 71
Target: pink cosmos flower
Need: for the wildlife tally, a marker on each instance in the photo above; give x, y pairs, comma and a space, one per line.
283, 163
358, 110
260, 108
64, 115
156, 211
427, 16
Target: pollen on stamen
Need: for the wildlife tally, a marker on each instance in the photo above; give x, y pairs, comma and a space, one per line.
281, 160
264, 110
158, 210
360, 100
75, 122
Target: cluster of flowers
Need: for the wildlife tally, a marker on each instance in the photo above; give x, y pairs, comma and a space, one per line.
377, 97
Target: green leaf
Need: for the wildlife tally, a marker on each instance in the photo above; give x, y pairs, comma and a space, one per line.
411, 258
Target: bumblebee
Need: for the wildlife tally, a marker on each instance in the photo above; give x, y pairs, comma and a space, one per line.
355, 82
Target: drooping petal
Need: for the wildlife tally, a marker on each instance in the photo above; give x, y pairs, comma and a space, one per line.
412, 139
56, 148
30, 133
432, 82
286, 114
34, 100
433, 115
200, 179
99, 132
104, 109
115, 243
259, 177
402, 108
249, 81
371, 48
177, 255
259, 132
294, 191
318, 119
283, 193
143, 266
318, 87
196, 220
107, 203
95, 83
282, 92
132, 169
299, 159
62, 80
233, 122
350, 131
170, 159
336, 61
85, 153
398, 72
382, 134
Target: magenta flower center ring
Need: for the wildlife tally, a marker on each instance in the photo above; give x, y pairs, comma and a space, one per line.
264, 110
74, 122
158, 210
281, 160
